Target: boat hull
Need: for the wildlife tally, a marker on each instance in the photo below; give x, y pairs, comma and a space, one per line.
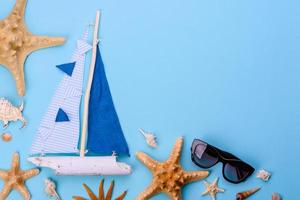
76, 165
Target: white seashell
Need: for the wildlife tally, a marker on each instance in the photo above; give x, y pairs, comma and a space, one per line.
263, 175
150, 138
8, 113
50, 189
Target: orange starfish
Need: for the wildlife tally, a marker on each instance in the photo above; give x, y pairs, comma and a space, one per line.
168, 176
15, 179
102, 196
17, 43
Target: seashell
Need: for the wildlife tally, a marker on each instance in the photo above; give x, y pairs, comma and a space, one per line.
263, 175
245, 194
276, 196
150, 138
6, 137
50, 189
8, 113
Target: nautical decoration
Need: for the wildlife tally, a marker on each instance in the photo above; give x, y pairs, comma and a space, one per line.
50, 189
276, 196
15, 178
263, 175
59, 131
9, 113
102, 196
17, 43
245, 194
150, 138
6, 137
212, 189
168, 176
61, 116
68, 68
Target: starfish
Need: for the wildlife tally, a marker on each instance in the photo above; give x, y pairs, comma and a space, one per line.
212, 189
15, 179
17, 43
168, 177
101, 193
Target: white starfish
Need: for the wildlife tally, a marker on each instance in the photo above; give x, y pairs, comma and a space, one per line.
212, 189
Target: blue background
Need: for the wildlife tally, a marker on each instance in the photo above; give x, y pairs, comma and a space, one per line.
223, 71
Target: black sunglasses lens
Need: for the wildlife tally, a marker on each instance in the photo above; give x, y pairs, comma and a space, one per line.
237, 172
205, 156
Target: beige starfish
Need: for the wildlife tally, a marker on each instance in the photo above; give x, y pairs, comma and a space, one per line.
17, 43
168, 177
212, 189
15, 179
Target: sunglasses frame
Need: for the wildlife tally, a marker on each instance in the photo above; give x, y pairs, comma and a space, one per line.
223, 157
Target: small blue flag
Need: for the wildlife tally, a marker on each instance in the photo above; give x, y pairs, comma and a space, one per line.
61, 116
67, 68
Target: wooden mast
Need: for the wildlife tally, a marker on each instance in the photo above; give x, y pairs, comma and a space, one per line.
88, 88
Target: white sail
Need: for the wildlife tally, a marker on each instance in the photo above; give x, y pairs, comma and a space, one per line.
62, 137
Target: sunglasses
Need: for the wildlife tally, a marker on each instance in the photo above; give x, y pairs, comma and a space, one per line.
205, 155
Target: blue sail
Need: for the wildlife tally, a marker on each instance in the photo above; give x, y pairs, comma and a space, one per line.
105, 134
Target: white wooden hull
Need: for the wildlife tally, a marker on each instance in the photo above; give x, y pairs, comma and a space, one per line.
76, 165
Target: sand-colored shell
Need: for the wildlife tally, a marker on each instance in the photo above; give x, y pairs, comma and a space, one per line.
150, 138
276, 196
6, 137
245, 194
263, 175
9, 113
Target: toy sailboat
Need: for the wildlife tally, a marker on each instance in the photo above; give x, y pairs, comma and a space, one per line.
58, 137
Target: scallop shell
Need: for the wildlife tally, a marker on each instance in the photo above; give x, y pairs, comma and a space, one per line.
6, 137
263, 175
150, 138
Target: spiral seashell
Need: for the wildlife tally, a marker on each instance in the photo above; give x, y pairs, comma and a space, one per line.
150, 138
50, 189
245, 194
276, 196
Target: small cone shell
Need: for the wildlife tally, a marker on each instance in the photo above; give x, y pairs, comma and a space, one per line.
246, 194
276, 196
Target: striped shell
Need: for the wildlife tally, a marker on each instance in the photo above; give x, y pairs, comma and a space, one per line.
245, 194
